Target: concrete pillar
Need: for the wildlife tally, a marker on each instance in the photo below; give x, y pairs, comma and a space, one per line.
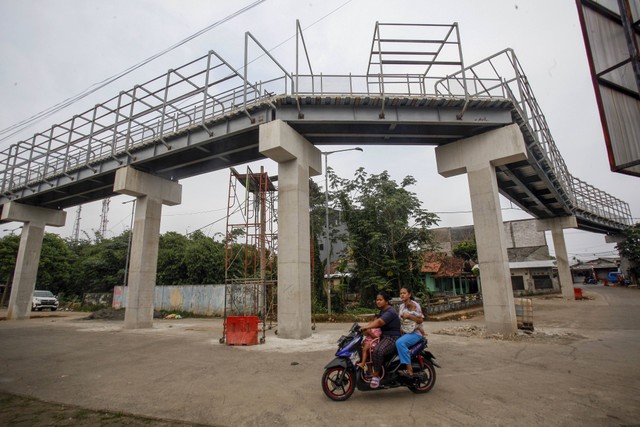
297, 160
556, 225
478, 156
26, 271
151, 193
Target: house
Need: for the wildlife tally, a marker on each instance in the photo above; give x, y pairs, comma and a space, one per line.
533, 270
443, 273
534, 277
597, 268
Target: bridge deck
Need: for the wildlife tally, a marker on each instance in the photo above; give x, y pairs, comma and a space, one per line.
183, 124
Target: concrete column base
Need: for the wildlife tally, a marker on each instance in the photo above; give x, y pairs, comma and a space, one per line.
297, 160
556, 225
151, 193
478, 156
26, 271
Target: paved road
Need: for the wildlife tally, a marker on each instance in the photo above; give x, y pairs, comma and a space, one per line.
580, 368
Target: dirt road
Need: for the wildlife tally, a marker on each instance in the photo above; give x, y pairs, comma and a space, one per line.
580, 368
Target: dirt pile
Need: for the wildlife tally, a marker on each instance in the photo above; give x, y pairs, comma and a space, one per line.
536, 336
113, 314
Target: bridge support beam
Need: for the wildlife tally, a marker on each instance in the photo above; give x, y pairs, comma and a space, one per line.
151, 193
556, 225
297, 160
26, 271
479, 156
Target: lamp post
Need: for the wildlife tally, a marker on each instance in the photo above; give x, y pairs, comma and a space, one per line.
326, 212
126, 264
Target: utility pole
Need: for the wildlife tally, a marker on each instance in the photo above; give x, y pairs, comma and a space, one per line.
326, 211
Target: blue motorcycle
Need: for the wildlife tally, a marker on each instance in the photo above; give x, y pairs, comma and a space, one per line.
343, 375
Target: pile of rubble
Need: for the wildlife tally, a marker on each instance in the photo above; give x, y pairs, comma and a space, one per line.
537, 336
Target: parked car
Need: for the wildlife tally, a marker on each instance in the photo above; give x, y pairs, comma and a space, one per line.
44, 299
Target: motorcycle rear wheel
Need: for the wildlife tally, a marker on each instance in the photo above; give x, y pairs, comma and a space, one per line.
338, 383
426, 378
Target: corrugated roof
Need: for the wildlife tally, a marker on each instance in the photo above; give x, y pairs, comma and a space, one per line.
547, 263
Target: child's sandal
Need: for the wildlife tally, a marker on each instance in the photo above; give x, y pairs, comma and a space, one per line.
375, 382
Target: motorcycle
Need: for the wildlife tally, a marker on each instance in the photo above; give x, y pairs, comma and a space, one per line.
343, 375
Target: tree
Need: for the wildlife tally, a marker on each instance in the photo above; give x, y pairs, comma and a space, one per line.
630, 247
204, 260
387, 232
98, 265
8, 252
466, 250
54, 269
171, 259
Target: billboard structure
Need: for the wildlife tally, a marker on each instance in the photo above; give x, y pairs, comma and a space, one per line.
611, 30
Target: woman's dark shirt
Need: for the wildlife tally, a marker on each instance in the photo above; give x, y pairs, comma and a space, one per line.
392, 322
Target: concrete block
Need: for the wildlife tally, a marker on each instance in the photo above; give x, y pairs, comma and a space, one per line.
14, 211
503, 146
132, 182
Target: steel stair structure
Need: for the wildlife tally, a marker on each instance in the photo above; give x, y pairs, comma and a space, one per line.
204, 116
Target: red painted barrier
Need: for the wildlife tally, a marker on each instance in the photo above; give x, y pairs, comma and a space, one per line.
242, 330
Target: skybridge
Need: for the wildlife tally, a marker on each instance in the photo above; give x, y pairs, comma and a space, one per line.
206, 115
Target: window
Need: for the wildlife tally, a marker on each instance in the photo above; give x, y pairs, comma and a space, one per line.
517, 283
542, 282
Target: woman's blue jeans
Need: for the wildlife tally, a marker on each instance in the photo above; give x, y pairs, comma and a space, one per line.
403, 343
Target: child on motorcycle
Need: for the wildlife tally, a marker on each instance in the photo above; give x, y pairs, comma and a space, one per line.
372, 338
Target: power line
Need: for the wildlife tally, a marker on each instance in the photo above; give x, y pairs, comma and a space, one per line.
25, 124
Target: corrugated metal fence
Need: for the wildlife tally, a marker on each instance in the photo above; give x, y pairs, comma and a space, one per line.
198, 299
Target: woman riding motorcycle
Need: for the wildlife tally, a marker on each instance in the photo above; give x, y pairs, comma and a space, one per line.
389, 323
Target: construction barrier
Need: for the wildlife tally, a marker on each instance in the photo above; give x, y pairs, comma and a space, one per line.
242, 330
577, 293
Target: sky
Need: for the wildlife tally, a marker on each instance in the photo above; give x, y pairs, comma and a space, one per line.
54, 50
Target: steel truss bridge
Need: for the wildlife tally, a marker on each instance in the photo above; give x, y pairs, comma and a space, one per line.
204, 116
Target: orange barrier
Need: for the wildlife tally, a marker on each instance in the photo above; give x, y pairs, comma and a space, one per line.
242, 330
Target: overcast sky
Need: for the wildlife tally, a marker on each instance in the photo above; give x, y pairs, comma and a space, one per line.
53, 50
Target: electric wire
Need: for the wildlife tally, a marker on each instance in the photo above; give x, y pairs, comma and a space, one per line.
36, 118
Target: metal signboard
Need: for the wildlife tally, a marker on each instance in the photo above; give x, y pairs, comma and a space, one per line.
611, 30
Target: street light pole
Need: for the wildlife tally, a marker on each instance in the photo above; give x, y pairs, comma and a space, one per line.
326, 213
126, 264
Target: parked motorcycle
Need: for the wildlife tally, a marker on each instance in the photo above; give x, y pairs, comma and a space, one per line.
343, 375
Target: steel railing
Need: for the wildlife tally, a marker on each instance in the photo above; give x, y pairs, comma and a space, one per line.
209, 88
501, 75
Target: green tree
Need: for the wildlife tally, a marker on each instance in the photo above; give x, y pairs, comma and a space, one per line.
630, 248
99, 264
466, 250
204, 260
8, 252
54, 270
387, 232
171, 259
317, 224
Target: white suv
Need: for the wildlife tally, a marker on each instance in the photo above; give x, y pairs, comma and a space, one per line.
44, 299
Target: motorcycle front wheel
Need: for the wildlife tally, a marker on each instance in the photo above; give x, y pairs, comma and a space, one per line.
425, 379
338, 383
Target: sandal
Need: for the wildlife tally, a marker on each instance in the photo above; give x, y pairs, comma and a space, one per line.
375, 382
405, 373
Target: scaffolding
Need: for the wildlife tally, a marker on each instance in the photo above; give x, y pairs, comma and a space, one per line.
250, 249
